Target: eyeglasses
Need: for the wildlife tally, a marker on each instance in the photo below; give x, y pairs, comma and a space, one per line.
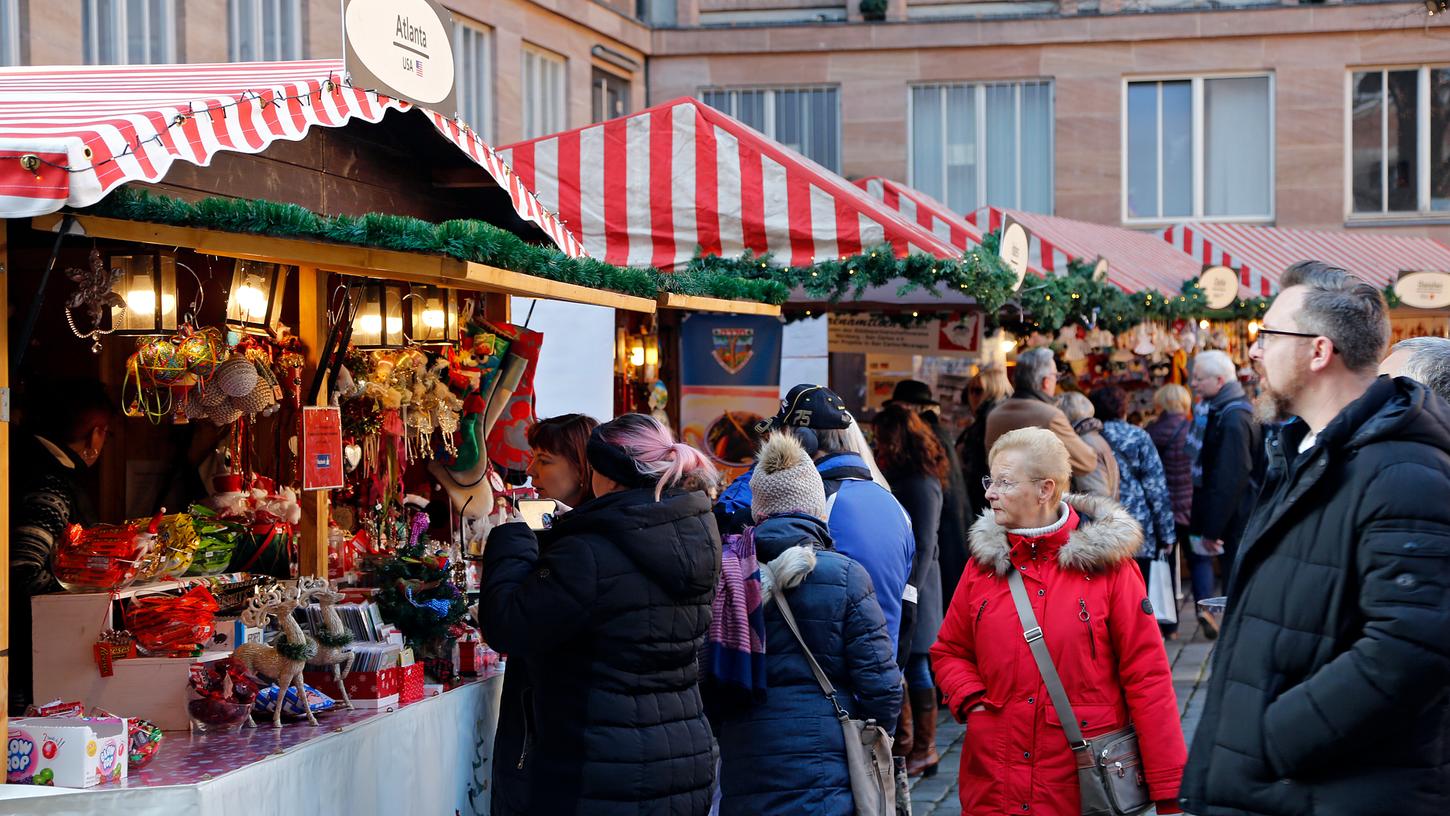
1002, 484
1259, 341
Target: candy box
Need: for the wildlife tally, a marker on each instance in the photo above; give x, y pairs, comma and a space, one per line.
412, 685
377, 689
67, 752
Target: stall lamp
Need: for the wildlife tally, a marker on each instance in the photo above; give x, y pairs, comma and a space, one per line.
379, 320
1203, 324
434, 315
1007, 346
147, 279
255, 303
652, 352
636, 352
1253, 329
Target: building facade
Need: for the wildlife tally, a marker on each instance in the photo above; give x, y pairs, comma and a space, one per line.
1133, 112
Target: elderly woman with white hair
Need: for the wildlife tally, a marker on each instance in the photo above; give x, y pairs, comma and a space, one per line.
1074, 556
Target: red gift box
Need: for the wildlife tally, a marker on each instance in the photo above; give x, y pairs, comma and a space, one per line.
377, 689
412, 689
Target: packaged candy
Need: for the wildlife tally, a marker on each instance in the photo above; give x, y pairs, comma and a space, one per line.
102, 558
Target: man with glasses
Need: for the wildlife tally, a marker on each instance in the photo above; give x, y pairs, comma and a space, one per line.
1227, 446
1328, 690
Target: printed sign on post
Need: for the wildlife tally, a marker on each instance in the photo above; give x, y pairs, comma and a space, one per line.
1220, 286
322, 465
1015, 249
1424, 290
867, 334
402, 48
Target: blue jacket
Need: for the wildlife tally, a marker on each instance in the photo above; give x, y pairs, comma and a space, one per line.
866, 521
786, 755
1142, 484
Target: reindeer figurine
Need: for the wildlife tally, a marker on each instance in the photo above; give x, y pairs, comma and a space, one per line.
285, 661
333, 640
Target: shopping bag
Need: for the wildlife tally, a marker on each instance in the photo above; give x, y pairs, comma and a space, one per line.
1160, 591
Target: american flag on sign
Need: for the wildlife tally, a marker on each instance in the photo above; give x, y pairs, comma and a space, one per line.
418, 66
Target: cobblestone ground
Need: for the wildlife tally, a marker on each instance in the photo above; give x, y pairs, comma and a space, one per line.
1188, 655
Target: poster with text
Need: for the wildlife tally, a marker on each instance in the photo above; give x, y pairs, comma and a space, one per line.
729, 380
322, 467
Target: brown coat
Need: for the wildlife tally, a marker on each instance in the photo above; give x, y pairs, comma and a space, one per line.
1030, 413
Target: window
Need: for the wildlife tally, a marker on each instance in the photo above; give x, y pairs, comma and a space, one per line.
807, 120
983, 144
1199, 148
611, 96
473, 77
129, 32
9, 32
543, 93
1399, 123
264, 30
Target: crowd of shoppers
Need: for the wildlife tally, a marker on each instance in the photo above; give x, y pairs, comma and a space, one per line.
1310, 505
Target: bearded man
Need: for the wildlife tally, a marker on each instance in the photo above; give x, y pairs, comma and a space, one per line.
1329, 686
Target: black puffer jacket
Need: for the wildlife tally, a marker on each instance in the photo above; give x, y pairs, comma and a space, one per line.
1230, 468
601, 618
1330, 692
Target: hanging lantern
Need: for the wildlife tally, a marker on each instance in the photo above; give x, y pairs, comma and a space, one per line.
148, 287
379, 319
434, 315
255, 302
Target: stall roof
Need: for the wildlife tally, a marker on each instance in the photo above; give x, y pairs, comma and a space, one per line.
1136, 260
650, 188
71, 134
924, 211
1261, 254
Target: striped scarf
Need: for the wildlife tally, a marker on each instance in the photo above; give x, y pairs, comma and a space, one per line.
733, 656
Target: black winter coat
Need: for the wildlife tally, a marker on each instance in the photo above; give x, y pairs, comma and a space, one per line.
1330, 692
952, 533
601, 618
787, 754
1232, 466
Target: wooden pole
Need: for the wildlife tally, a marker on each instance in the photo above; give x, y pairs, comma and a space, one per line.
4, 486
312, 331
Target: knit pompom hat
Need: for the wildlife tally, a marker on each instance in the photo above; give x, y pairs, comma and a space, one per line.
785, 480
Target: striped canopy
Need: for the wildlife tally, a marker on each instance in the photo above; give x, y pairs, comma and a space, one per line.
650, 188
924, 211
1261, 254
71, 134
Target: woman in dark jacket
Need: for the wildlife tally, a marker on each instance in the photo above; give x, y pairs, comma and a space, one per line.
1170, 436
916, 466
601, 617
786, 755
984, 392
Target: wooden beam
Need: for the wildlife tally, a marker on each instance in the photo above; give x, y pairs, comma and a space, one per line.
312, 330
408, 267
5, 484
492, 279
461, 178
696, 303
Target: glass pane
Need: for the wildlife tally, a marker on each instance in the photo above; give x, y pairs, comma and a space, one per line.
961, 148
246, 33
1365, 151
1177, 149
719, 100
1401, 139
825, 109
135, 14
1440, 139
788, 119
926, 141
107, 20
1002, 145
1143, 150
1037, 147
1236, 148
750, 109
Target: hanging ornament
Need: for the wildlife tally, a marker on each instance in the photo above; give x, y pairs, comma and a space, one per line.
95, 295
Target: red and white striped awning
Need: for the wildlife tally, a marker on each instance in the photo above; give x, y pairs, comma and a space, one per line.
650, 188
71, 134
923, 210
1137, 261
1261, 254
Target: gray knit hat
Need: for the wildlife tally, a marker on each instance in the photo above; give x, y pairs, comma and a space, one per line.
785, 480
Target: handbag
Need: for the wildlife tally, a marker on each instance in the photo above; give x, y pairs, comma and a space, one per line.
1110, 766
868, 746
1160, 590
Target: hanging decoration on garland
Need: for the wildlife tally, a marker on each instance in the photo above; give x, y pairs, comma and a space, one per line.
95, 295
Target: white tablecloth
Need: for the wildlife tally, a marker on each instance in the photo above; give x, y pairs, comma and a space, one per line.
433, 757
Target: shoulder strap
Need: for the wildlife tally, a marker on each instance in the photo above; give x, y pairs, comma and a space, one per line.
1033, 633
825, 682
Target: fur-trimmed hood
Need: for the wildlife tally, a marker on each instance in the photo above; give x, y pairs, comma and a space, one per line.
1106, 534
785, 571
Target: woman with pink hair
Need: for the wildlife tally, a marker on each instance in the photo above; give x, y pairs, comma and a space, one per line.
601, 616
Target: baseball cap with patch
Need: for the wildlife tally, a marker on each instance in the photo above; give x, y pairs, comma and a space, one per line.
809, 406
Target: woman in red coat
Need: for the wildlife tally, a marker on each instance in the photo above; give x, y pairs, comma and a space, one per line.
1075, 554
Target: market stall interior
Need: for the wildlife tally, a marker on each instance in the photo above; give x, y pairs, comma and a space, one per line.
300, 306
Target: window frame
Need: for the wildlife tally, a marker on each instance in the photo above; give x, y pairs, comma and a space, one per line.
1200, 152
234, 12
120, 24
769, 110
1423, 213
979, 107
539, 52
484, 128
10, 33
